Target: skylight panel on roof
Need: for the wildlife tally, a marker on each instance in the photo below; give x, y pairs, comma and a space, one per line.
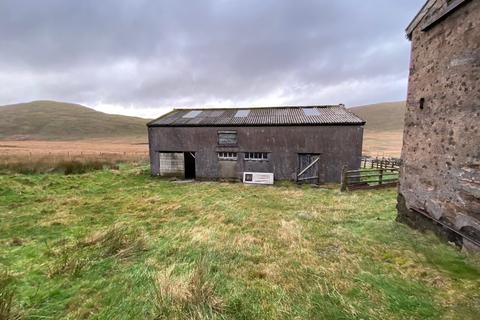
213, 114
311, 111
192, 114
242, 113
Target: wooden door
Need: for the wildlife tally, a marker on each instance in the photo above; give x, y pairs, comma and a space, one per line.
308, 168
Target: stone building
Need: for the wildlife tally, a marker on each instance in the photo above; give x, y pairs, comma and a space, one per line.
440, 177
308, 144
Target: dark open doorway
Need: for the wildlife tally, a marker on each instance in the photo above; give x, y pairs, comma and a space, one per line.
189, 165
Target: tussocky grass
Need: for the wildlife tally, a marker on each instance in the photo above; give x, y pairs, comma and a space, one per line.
119, 244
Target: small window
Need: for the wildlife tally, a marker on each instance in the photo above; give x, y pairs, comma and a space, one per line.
256, 156
421, 103
227, 156
227, 138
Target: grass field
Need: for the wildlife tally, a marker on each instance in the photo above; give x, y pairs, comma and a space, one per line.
77, 147
47, 156
377, 143
118, 244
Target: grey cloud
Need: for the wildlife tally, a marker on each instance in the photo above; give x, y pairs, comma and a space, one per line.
161, 53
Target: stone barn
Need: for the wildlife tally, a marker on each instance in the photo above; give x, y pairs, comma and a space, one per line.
440, 176
305, 144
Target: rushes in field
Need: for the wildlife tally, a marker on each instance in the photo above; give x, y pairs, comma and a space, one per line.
119, 241
68, 263
7, 296
189, 297
65, 166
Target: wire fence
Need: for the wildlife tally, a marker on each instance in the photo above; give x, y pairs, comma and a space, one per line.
380, 163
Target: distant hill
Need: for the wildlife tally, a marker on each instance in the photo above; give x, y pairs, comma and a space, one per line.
384, 129
388, 116
50, 120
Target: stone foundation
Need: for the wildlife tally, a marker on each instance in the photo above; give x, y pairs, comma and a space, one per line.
422, 223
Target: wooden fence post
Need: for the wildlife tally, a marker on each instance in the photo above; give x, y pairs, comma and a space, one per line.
344, 184
380, 179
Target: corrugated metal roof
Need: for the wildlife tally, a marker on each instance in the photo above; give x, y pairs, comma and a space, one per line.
273, 116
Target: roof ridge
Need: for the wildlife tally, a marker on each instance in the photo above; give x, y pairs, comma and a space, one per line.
267, 107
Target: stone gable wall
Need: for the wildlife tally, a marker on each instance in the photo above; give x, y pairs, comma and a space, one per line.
441, 147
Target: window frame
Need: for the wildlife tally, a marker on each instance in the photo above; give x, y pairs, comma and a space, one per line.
227, 156
256, 156
225, 132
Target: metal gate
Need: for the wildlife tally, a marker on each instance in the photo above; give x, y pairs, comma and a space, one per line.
308, 168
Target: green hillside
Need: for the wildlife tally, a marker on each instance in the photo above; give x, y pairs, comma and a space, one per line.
50, 120
388, 116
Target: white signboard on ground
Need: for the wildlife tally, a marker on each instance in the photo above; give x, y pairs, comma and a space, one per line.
258, 178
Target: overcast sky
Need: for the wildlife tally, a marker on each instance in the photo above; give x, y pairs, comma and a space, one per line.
143, 57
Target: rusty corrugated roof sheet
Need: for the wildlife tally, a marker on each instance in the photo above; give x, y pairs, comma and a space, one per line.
272, 116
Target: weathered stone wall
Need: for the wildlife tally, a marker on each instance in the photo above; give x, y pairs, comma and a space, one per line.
441, 147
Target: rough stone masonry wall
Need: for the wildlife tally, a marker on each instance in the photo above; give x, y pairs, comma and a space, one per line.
441, 147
